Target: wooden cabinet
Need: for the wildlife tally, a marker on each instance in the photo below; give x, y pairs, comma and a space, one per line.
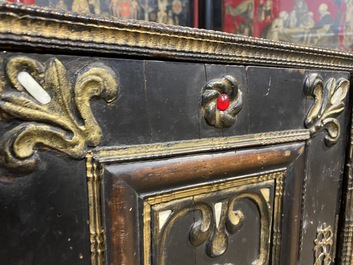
165, 145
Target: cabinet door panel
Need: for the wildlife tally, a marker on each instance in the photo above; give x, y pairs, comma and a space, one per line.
208, 207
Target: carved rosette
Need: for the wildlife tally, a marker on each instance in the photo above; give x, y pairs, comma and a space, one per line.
65, 124
329, 99
221, 118
323, 245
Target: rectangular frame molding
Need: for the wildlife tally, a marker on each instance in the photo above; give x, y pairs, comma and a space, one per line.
99, 158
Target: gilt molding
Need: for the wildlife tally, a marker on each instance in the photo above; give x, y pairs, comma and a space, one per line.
34, 27
97, 246
323, 245
65, 123
168, 149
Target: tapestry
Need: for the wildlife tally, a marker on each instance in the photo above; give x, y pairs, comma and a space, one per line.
175, 12
321, 23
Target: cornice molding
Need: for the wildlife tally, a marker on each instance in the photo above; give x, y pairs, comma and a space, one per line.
45, 29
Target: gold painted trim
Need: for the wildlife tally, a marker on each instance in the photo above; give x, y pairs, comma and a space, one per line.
134, 152
277, 228
209, 188
323, 245
95, 212
146, 231
34, 27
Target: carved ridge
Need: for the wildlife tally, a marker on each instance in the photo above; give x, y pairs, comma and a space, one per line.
70, 31
323, 245
65, 124
97, 241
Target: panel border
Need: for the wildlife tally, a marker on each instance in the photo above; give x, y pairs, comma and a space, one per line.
97, 159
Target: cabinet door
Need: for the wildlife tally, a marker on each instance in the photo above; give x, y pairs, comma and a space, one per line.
230, 207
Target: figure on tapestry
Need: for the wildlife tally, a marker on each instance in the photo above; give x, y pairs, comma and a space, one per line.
324, 23
124, 8
299, 26
348, 27
265, 13
241, 15
173, 12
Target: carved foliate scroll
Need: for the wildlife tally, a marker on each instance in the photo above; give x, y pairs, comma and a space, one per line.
65, 123
218, 223
329, 99
220, 219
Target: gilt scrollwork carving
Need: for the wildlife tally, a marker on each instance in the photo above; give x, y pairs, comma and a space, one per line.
323, 245
328, 104
221, 101
217, 222
66, 123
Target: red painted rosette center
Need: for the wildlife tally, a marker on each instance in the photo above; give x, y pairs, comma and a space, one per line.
223, 102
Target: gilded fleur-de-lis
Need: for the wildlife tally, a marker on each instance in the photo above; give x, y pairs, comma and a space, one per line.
58, 116
329, 104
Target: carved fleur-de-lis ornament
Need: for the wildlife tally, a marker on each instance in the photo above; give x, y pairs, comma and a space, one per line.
328, 104
62, 119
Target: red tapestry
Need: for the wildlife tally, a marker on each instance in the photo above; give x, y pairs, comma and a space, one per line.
311, 22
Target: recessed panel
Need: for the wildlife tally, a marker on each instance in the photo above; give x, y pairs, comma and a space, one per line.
207, 206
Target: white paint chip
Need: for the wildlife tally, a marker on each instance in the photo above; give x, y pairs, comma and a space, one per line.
218, 211
163, 218
33, 88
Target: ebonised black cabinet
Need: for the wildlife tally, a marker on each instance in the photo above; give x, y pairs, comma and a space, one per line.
166, 145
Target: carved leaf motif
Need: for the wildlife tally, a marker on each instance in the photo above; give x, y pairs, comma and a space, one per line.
66, 123
200, 230
341, 92
328, 105
18, 64
199, 233
235, 220
215, 232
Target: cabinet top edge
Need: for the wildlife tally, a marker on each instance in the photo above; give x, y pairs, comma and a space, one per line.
38, 28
